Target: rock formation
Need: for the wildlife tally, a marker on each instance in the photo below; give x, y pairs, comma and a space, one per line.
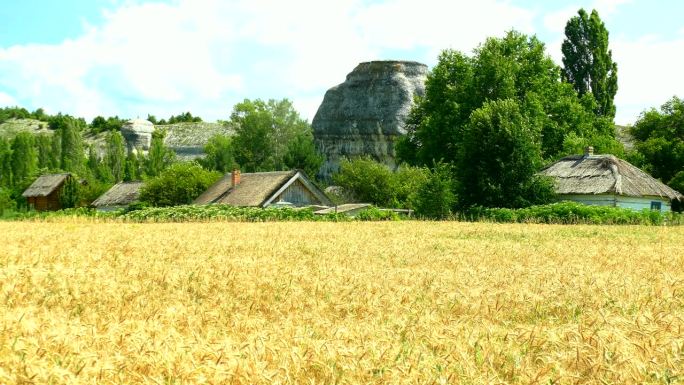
187, 140
365, 114
138, 134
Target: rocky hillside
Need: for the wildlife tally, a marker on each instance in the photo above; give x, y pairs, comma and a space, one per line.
186, 139
365, 114
12, 127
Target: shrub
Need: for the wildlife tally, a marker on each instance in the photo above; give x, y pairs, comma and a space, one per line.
179, 184
373, 182
435, 197
572, 213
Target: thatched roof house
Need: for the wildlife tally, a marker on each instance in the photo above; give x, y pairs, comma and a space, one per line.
121, 195
609, 181
262, 189
44, 193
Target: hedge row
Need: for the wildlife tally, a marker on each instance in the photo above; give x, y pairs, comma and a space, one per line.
575, 213
557, 213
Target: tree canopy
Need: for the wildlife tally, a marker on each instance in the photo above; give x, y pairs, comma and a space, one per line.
471, 104
179, 184
588, 63
659, 136
269, 136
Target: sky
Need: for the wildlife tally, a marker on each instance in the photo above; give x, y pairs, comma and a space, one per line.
132, 58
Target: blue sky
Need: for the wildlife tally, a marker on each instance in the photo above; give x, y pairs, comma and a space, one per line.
131, 58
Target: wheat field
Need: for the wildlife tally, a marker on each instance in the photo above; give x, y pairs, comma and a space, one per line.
351, 303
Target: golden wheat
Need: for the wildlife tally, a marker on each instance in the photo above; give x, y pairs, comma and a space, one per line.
409, 302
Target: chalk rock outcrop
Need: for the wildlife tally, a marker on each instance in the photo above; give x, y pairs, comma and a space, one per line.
138, 134
188, 139
365, 115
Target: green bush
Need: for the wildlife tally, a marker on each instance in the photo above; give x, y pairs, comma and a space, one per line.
225, 212
373, 182
572, 213
179, 184
435, 198
78, 212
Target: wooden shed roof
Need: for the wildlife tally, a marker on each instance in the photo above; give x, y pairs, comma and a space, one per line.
121, 194
256, 189
45, 185
605, 174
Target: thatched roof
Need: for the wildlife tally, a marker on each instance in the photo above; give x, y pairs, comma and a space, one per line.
605, 174
255, 189
45, 185
121, 194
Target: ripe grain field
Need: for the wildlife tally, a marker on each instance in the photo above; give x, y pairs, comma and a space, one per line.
408, 302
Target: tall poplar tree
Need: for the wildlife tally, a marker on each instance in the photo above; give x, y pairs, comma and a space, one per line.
5, 163
588, 63
115, 155
159, 157
24, 158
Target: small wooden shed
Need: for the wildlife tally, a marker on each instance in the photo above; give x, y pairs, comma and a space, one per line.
121, 195
45, 192
606, 180
263, 189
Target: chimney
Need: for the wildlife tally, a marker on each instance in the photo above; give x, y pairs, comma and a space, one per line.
234, 178
589, 151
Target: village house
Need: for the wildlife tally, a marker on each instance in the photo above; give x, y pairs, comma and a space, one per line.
263, 189
606, 180
120, 196
45, 192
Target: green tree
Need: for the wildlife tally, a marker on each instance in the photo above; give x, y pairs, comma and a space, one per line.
159, 157
659, 141
44, 148
72, 154
100, 124
24, 158
514, 68
6, 201
70, 194
132, 171
588, 63
264, 131
5, 163
499, 159
301, 154
367, 180
98, 170
185, 117
56, 151
152, 119
115, 155
435, 197
219, 154
179, 184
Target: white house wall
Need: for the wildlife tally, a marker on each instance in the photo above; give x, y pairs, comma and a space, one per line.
634, 203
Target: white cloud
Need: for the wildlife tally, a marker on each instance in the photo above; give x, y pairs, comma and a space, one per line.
647, 77
555, 21
206, 55
7, 100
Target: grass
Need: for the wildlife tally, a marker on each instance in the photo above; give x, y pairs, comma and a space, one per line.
408, 302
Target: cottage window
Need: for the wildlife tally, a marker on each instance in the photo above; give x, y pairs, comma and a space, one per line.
656, 206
